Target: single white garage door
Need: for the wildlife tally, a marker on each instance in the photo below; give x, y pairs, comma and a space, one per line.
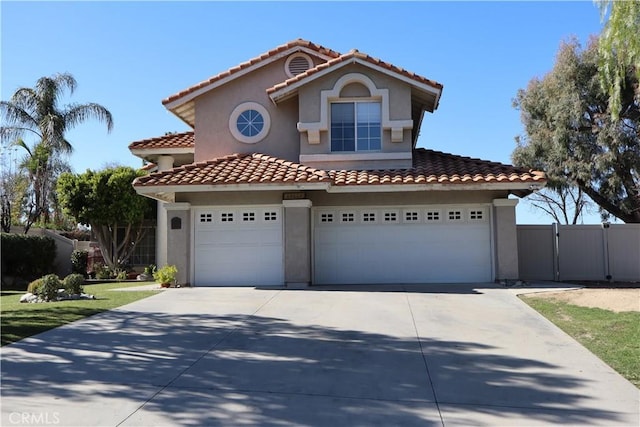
408, 245
238, 246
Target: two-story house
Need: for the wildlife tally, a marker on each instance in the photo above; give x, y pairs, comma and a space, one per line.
302, 168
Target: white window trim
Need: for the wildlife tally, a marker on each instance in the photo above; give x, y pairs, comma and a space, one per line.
233, 122
313, 129
355, 101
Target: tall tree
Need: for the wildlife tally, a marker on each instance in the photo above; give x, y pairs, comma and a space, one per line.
570, 134
13, 191
35, 114
563, 205
619, 50
107, 202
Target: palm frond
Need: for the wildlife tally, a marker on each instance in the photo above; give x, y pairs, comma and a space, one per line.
78, 113
21, 143
50, 89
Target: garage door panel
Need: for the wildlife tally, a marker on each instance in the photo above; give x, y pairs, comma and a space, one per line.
238, 246
412, 251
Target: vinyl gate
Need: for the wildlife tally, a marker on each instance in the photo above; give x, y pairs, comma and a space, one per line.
579, 252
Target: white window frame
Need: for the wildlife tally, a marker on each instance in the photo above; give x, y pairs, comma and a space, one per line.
355, 102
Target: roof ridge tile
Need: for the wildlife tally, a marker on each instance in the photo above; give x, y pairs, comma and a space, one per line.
354, 53
256, 59
170, 140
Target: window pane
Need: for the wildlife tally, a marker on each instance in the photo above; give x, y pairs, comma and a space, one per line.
250, 123
369, 117
356, 126
342, 127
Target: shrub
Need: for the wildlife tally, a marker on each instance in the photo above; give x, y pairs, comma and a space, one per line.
49, 289
84, 235
121, 275
25, 256
166, 274
34, 287
102, 271
79, 262
73, 284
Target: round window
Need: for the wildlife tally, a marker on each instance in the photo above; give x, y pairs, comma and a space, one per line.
249, 122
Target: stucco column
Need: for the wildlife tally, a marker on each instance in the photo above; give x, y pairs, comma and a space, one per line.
164, 163
178, 230
506, 239
297, 243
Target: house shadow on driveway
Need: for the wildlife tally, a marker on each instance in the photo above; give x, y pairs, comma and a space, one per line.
134, 368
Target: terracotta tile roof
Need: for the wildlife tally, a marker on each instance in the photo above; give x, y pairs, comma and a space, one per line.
174, 140
295, 43
346, 57
149, 167
236, 169
429, 167
435, 167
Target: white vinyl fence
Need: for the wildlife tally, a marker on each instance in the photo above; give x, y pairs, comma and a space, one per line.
579, 252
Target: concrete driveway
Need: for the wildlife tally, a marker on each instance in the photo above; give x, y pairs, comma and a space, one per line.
356, 356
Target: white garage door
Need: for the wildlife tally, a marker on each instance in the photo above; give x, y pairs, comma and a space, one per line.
408, 245
238, 246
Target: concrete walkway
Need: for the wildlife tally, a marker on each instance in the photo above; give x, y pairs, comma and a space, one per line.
354, 356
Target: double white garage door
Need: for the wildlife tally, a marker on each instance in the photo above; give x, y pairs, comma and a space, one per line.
409, 245
244, 246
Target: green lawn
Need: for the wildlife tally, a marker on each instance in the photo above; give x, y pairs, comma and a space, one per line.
613, 337
19, 321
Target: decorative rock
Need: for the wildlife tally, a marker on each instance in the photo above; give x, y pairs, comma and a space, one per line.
62, 296
28, 297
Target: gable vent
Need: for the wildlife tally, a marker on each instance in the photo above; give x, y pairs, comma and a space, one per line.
297, 64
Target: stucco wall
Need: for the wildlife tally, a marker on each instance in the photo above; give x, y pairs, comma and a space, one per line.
406, 198
506, 239
179, 240
297, 243
322, 198
213, 109
222, 198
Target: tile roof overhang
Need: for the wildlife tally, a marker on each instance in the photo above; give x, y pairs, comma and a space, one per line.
182, 103
170, 144
426, 90
431, 171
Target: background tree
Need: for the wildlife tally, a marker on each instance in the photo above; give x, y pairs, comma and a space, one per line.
13, 191
565, 205
570, 133
34, 114
106, 201
619, 50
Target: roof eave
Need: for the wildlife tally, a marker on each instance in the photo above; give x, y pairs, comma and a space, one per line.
290, 91
146, 153
157, 191
485, 186
175, 103
198, 188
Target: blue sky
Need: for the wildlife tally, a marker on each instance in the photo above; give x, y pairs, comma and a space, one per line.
128, 56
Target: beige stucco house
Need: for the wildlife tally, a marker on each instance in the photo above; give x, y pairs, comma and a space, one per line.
302, 169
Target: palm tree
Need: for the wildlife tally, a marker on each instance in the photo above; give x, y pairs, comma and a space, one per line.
35, 111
